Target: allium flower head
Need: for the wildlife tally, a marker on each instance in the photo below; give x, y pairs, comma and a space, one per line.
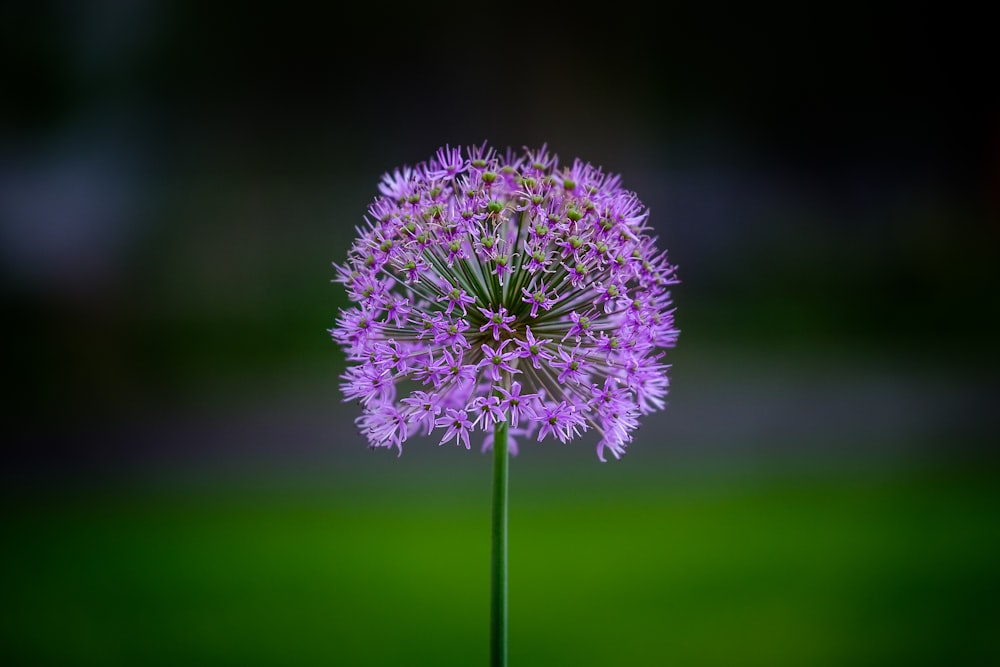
491, 289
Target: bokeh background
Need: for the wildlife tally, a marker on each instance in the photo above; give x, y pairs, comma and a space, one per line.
182, 484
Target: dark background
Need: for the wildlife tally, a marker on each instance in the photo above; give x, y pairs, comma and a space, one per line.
182, 482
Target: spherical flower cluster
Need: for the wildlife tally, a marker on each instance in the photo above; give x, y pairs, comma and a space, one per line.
513, 289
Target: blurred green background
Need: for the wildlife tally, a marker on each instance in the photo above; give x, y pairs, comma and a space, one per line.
182, 484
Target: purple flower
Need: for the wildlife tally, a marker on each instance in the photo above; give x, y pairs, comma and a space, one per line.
366, 382
457, 425
496, 361
535, 349
495, 321
456, 298
487, 412
572, 366
451, 333
560, 420
618, 414
538, 298
476, 267
422, 409
515, 403
383, 425
581, 326
448, 164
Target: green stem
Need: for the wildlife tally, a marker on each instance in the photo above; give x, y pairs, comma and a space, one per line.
498, 602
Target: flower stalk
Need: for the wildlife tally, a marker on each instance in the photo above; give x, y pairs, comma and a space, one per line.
498, 550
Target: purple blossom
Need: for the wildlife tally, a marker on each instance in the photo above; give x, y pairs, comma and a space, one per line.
397, 310
537, 298
412, 267
392, 356
449, 163
578, 271
581, 326
561, 420
476, 267
537, 257
515, 403
487, 412
421, 409
452, 334
496, 361
611, 296
384, 426
496, 321
449, 369
366, 382
456, 298
572, 366
535, 349
457, 425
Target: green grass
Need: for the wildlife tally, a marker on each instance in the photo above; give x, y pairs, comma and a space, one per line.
743, 570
